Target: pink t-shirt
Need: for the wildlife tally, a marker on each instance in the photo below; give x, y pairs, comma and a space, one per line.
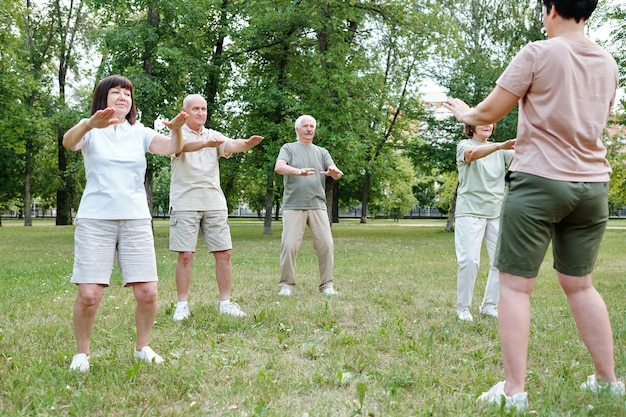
567, 90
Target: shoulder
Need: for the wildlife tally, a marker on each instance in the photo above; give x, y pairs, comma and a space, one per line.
136, 127
320, 149
212, 133
464, 143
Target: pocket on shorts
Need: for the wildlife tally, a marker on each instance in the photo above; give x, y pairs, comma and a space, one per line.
173, 221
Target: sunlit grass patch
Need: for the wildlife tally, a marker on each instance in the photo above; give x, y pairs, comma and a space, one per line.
388, 345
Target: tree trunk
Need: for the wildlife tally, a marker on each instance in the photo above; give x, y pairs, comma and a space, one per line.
269, 198
450, 222
335, 208
367, 178
66, 188
329, 188
64, 194
217, 63
147, 182
28, 217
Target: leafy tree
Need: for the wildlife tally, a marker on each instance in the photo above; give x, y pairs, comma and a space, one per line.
270, 53
409, 36
612, 14
13, 69
37, 35
616, 154
489, 34
397, 187
74, 29
139, 41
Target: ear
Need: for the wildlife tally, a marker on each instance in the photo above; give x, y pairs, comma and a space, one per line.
553, 12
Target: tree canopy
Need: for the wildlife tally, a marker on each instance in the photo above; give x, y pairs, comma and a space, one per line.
356, 66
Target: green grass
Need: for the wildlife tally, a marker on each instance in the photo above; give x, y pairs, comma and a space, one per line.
389, 345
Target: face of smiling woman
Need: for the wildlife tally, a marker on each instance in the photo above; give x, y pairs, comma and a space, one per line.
482, 133
121, 100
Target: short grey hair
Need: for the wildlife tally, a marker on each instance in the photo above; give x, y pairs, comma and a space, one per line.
191, 97
301, 118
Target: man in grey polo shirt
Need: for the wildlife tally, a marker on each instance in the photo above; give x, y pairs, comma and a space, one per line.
305, 167
197, 204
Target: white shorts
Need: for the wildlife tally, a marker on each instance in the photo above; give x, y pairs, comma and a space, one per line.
95, 244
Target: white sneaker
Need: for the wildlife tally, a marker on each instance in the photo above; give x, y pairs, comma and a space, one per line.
148, 355
80, 362
464, 315
330, 291
496, 395
490, 311
286, 291
181, 312
615, 388
232, 308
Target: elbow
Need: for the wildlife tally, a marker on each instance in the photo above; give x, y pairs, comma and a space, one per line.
67, 143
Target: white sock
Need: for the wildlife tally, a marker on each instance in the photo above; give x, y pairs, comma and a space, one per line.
181, 304
224, 302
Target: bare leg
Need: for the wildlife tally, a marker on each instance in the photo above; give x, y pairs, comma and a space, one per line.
86, 305
592, 320
184, 269
146, 294
514, 328
223, 273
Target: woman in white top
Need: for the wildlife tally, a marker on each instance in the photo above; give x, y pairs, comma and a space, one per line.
113, 215
482, 166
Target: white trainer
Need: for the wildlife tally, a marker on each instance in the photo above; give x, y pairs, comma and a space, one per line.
285, 291
148, 355
80, 362
181, 312
491, 311
232, 309
330, 291
615, 388
496, 395
464, 315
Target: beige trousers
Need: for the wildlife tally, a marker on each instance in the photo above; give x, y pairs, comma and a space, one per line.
294, 222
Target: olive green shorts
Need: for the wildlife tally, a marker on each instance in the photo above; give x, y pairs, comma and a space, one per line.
537, 210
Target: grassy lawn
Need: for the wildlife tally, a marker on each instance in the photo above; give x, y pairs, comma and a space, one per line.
388, 345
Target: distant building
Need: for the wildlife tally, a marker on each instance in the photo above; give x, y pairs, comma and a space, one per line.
434, 96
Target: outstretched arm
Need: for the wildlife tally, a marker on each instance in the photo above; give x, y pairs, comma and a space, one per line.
165, 145
283, 168
497, 104
476, 152
73, 138
242, 145
196, 145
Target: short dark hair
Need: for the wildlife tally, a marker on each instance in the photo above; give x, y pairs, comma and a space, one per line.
572, 9
469, 129
101, 92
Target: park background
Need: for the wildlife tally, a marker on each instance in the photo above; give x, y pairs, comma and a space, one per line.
364, 69
390, 344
